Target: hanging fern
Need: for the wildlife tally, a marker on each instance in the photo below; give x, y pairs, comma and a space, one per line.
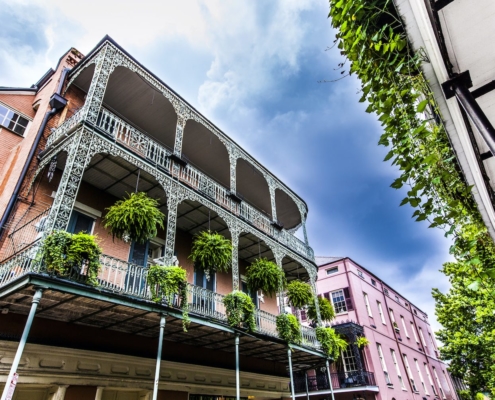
64, 252
266, 276
167, 282
211, 252
327, 311
289, 328
240, 310
331, 342
299, 294
361, 342
136, 218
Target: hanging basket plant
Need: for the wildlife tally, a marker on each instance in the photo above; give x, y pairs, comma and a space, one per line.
299, 294
211, 252
266, 276
65, 254
331, 342
135, 218
240, 310
169, 284
327, 311
289, 328
361, 342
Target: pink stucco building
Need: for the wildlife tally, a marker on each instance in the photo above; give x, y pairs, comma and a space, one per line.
401, 361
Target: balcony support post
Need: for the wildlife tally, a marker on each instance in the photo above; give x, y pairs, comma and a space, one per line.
103, 69
272, 187
237, 377
235, 232
233, 155
292, 389
312, 279
327, 364
306, 382
173, 201
159, 356
22, 343
277, 253
79, 154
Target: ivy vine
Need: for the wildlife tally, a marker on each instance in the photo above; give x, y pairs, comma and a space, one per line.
373, 38
240, 310
362, 341
166, 283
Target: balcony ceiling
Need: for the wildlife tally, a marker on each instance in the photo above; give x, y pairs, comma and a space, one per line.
468, 28
74, 309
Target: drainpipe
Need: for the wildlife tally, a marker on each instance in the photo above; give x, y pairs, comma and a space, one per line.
22, 343
306, 381
237, 378
159, 357
57, 102
292, 392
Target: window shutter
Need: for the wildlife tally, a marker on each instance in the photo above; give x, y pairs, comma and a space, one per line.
327, 296
303, 315
348, 300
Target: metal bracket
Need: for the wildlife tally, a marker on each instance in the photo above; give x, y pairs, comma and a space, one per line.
463, 79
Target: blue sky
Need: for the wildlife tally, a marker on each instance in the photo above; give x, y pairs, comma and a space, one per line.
254, 69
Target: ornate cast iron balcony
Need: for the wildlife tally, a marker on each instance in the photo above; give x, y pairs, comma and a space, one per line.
340, 380
126, 279
160, 157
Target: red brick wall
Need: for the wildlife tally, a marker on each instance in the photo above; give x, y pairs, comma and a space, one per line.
20, 102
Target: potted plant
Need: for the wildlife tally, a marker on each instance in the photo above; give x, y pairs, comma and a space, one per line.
169, 283
327, 311
265, 275
240, 310
396, 327
362, 341
289, 328
211, 252
299, 294
135, 218
65, 254
331, 342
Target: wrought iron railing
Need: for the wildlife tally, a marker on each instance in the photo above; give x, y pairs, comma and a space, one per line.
66, 127
157, 154
125, 278
340, 380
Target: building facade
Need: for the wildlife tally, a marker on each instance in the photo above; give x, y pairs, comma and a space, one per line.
90, 131
401, 360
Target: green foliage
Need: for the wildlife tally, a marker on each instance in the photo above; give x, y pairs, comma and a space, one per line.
137, 217
361, 342
373, 38
265, 275
64, 252
165, 283
299, 294
331, 342
464, 394
240, 310
479, 396
289, 328
327, 311
211, 252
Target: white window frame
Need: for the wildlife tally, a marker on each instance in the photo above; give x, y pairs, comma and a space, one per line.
438, 383
414, 332
427, 369
421, 336
421, 377
16, 123
333, 303
409, 374
397, 369
383, 364
367, 304
331, 271
404, 326
380, 311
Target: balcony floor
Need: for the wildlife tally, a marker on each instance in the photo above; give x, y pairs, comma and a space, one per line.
79, 305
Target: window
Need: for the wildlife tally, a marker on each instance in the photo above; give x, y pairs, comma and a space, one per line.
397, 299
392, 318
421, 377
80, 222
397, 369
338, 301
333, 270
13, 121
385, 291
438, 383
429, 379
349, 360
380, 311
382, 362
367, 304
414, 332
431, 340
421, 336
360, 274
409, 373
373, 282
404, 326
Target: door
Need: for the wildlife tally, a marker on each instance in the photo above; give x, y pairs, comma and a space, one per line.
135, 279
80, 222
204, 300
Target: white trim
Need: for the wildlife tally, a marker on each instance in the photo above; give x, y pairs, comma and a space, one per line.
30, 119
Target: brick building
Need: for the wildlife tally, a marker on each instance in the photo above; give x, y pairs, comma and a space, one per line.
401, 360
89, 131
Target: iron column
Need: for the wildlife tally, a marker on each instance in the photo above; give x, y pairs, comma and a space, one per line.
237, 378
291, 375
159, 357
329, 378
